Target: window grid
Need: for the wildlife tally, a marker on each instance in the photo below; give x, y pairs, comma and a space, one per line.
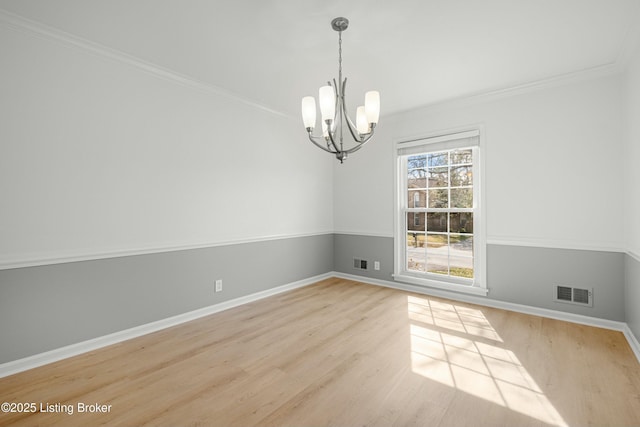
442, 177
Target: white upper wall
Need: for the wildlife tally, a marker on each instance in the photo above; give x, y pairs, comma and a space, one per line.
632, 155
98, 156
553, 165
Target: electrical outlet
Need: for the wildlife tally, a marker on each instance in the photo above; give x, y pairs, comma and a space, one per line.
376, 265
219, 285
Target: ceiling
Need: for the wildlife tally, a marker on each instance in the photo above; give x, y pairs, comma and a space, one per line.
415, 52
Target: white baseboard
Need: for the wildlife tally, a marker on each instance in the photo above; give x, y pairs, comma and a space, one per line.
632, 340
55, 355
487, 302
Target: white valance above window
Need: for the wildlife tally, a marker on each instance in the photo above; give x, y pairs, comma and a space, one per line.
437, 143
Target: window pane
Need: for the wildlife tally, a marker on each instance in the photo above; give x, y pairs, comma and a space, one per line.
437, 241
461, 197
439, 177
417, 162
437, 263
438, 199
461, 245
461, 267
461, 222
417, 199
461, 156
415, 240
416, 259
461, 175
417, 171
437, 221
437, 253
417, 178
438, 159
415, 221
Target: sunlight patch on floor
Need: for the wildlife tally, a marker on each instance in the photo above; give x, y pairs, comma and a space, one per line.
445, 315
466, 353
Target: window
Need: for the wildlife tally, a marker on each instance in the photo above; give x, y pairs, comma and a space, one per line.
439, 240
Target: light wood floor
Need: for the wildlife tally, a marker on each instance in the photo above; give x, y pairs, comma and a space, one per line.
346, 354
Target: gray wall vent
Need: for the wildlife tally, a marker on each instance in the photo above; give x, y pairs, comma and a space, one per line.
360, 264
573, 295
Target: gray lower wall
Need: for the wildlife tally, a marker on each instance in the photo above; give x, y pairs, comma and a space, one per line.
47, 307
632, 294
346, 247
519, 274
528, 275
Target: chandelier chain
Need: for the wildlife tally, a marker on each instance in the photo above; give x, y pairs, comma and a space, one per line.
340, 56
339, 86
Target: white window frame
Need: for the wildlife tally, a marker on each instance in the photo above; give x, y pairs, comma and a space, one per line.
431, 143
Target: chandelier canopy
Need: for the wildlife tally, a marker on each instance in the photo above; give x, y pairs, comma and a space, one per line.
333, 110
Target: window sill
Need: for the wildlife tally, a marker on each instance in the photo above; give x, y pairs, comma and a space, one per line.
430, 283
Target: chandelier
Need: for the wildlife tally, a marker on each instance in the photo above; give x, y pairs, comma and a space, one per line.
331, 99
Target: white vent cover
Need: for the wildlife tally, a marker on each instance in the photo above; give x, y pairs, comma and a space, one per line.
359, 264
574, 295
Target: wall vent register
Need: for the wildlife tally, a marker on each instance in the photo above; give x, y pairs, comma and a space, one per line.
359, 264
571, 295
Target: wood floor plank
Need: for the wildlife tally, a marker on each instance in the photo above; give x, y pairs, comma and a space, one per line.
344, 353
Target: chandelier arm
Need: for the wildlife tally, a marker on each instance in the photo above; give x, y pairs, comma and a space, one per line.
354, 133
313, 139
352, 128
333, 142
359, 146
364, 141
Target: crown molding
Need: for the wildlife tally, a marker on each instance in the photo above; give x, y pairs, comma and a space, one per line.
497, 94
619, 65
20, 23
43, 31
